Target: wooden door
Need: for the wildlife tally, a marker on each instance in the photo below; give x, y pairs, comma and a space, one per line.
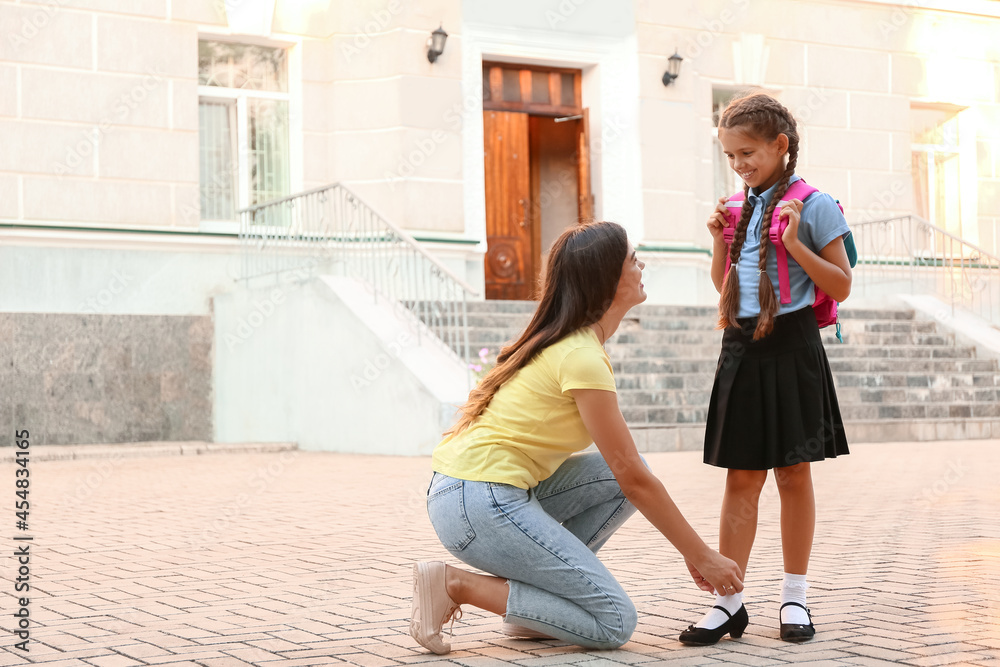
510, 270
586, 207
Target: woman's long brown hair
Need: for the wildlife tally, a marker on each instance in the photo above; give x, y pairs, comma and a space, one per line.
581, 278
763, 118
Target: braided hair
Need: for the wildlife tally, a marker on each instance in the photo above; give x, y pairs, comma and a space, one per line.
762, 117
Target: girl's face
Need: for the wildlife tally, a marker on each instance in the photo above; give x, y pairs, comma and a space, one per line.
759, 163
630, 289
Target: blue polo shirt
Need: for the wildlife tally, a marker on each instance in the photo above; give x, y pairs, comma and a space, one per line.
821, 221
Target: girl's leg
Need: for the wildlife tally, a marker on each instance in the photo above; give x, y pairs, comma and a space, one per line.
798, 524
737, 530
738, 523
798, 516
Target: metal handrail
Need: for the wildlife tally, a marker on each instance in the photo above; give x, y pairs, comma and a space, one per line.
333, 230
908, 253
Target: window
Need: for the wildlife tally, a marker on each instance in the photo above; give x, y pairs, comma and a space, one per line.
243, 127
936, 176
726, 181
539, 90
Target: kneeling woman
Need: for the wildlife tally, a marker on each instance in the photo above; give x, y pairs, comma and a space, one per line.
508, 498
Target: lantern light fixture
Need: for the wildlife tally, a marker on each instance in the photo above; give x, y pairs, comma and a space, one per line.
673, 68
435, 44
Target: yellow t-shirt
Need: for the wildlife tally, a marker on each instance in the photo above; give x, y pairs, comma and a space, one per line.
532, 424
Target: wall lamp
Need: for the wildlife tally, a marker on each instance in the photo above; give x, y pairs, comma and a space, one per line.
673, 68
435, 44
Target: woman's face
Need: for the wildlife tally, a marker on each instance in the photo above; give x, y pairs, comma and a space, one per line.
759, 163
630, 289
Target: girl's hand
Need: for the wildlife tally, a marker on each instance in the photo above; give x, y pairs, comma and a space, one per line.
718, 220
716, 574
791, 210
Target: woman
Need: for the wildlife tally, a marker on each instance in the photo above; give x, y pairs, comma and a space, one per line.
508, 498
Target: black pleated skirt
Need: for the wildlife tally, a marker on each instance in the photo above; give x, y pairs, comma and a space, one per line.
773, 402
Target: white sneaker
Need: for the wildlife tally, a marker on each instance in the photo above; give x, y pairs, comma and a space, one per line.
432, 607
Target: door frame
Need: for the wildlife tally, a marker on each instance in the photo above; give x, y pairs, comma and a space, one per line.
563, 100
610, 90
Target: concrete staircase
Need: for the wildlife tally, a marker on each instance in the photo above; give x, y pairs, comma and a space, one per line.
898, 378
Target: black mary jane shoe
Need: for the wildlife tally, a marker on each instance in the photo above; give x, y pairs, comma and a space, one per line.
796, 632
734, 627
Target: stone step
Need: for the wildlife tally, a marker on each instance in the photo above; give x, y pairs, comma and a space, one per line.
877, 323
844, 381
665, 415
710, 351
888, 326
882, 339
689, 382
919, 411
689, 414
705, 350
645, 323
692, 337
500, 306
662, 311
848, 313
675, 366
922, 430
918, 366
691, 437
511, 321
673, 397
495, 338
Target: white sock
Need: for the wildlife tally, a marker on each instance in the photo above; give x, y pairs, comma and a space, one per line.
714, 618
794, 590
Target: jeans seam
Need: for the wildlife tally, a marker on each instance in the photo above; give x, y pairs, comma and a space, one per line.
470, 533
614, 514
564, 489
445, 489
621, 621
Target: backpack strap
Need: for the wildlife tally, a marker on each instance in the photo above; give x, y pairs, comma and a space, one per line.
797, 190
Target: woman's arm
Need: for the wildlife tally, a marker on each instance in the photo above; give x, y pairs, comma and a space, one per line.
603, 419
830, 270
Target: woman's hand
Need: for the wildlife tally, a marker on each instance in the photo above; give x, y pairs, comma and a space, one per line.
792, 210
716, 574
718, 220
603, 418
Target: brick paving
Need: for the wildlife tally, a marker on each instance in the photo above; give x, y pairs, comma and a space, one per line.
301, 558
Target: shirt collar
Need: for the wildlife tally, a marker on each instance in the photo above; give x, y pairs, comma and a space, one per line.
766, 195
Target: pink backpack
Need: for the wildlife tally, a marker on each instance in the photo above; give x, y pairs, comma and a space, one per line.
824, 306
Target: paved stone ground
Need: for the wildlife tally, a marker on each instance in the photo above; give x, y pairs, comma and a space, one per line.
296, 558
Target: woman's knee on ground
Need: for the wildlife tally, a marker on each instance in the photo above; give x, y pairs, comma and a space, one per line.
616, 634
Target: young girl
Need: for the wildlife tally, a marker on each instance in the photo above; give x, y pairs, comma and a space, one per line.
510, 497
773, 405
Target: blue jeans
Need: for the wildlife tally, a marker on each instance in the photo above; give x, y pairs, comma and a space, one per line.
544, 542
